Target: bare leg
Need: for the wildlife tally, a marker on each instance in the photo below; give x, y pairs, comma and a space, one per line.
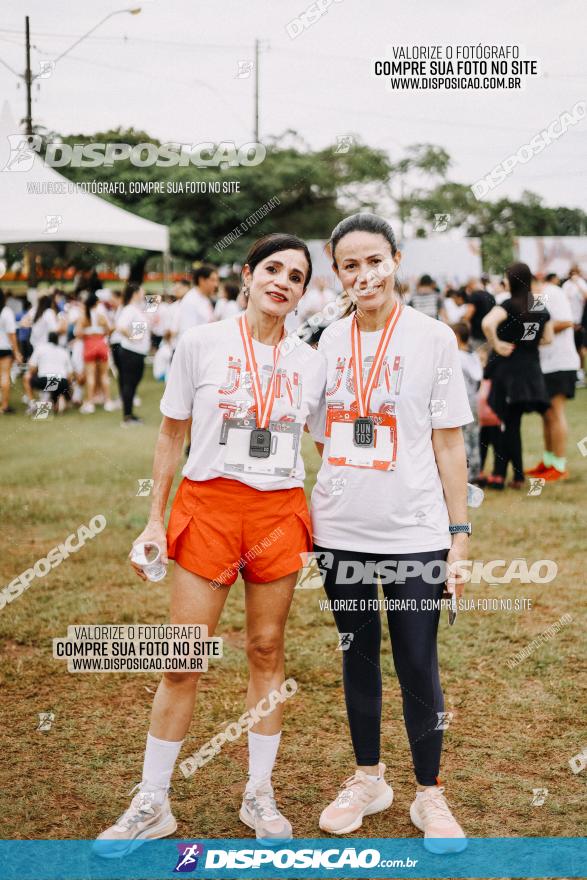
104, 380
193, 601
267, 607
5, 364
90, 381
558, 425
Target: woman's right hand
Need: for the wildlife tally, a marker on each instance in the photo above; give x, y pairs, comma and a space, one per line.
153, 533
503, 348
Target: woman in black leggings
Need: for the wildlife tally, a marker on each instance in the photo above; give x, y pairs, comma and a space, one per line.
514, 330
135, 342
390, 504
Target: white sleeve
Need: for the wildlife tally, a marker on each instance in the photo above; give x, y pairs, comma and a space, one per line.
449, 404
178, 398
316, 420
8, 320
560, 308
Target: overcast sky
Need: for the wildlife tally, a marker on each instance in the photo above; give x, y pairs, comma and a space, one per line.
172, 71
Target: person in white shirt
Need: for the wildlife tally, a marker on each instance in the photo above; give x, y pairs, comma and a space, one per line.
135, 342
248, 391
315, 303
43, 319
9, 351
559, 362
575, 289
180, 291
196, 307
392, 487
455, 305
227, 303
50, 370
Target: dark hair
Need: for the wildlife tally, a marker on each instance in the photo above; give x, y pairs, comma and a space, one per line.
2, 299
129, 292
203, 271
89, 303
274, 242
232, 290
519, 279
550, 276
426, 281
185, 281
461, 330
362, 223
53, 338
45, 302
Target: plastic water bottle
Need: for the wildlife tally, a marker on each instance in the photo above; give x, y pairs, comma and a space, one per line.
148, 557
475, 495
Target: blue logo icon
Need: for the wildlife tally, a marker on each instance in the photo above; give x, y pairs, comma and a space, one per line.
189, 853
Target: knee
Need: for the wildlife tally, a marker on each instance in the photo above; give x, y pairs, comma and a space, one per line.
265, 651
181, 680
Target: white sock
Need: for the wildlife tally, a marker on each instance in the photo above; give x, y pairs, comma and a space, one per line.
160, 758
262, 755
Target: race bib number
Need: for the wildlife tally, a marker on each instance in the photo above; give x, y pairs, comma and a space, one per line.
369, 442
284, 444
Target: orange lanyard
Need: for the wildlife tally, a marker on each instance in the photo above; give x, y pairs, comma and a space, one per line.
363, 393
263, 407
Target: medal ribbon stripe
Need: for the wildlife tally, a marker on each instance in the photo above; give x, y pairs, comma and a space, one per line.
363, 395
263, 407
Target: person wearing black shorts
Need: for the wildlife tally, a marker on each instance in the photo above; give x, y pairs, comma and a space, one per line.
559, 362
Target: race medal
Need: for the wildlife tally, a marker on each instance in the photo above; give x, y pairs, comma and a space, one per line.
260, 443
358, 436
363, 432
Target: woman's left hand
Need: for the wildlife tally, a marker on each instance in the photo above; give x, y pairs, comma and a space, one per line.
458, 552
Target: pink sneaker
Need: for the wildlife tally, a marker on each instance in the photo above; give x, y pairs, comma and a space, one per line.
431, 814
359, 796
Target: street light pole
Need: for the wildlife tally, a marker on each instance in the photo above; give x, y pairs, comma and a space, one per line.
257, 54
28, 76
28, 80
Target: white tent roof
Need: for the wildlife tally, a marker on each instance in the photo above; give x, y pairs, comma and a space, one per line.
83, 217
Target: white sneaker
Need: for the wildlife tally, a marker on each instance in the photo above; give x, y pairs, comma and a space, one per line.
259, 812
358, 797
431, 814
110, 406
86, 409
145, 819
136, 400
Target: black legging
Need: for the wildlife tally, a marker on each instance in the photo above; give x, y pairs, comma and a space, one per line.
116, 348
510, 446
413, 642
131, 373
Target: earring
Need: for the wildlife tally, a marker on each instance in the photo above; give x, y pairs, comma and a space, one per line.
245, 292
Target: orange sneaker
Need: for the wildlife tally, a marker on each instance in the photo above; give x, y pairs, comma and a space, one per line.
537, 470
552, 475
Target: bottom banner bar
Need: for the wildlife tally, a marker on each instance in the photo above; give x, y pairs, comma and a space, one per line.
312, 858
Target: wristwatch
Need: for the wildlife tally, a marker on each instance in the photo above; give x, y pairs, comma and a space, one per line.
461, 528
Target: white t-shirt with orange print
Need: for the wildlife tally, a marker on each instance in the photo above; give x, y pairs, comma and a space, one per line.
209, 382
421, 382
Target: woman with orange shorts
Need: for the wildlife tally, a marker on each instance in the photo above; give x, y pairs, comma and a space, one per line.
241, 506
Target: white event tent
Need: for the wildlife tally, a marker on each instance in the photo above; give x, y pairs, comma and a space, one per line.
33, 209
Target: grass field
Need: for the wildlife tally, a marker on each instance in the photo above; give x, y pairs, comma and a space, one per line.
513, 730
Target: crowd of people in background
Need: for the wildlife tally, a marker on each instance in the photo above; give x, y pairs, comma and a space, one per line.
522, 344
